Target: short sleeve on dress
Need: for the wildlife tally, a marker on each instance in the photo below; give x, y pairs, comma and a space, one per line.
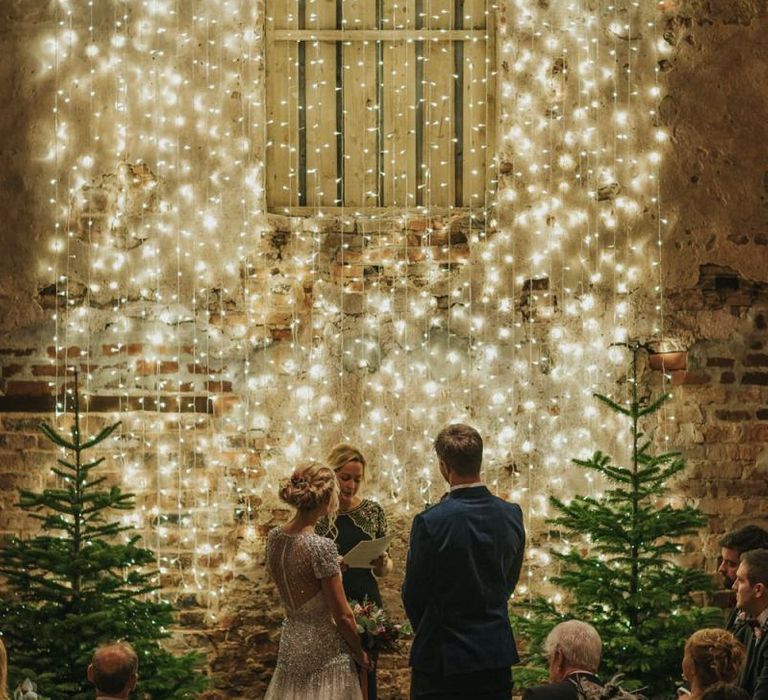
325, 560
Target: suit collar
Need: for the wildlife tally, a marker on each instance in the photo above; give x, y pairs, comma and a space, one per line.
469, 494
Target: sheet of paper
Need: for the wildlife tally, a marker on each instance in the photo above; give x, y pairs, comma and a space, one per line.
363, 553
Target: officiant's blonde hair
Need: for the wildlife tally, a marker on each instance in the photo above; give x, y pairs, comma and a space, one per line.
310, 486
342, 454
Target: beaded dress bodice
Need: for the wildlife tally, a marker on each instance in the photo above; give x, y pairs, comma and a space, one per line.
313, 659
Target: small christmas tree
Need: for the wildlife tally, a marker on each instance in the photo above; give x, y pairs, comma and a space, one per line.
624, 580
74, 586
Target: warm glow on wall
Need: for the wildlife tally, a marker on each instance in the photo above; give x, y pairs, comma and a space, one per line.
375, 327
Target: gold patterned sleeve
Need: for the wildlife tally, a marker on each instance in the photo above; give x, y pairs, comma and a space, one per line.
381, 522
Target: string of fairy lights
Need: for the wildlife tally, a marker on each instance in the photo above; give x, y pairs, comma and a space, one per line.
374, 321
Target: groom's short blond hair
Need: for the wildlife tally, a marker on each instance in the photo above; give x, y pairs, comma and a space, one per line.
461, 448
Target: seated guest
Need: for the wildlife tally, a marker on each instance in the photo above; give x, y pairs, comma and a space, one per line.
732, 546
711, 656
573, 649
725, 691
114, 670
751, 588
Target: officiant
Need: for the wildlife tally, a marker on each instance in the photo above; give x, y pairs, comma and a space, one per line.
358, 519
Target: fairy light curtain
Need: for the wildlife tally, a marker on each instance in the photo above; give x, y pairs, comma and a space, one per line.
427, 258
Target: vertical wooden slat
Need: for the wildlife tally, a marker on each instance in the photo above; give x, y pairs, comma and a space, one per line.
438, 147
321, 107
398, 14
360, 116
458, 106
399, 124
438, 153
282, 107
475, 127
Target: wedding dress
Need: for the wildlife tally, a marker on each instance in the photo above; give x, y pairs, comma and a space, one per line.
313, 660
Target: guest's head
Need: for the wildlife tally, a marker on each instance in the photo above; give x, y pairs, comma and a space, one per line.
711, 656
3, 672
348, 464
114, 670
734, 544
725, 691
312, 488
459, 448
751, 583
572, 646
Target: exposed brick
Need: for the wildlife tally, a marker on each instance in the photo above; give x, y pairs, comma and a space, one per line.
49, 370
112, 349
219, 387
202, 368
756, 433
17, 441
720, 362
681, 377
733, 415
11, 370
762, 414
18, 352
24, 388
760, 322
72, 351
756, 360
727, 378
134, 348
148, 367
280, 333
756, 345
660, 361
760, 378
722, 433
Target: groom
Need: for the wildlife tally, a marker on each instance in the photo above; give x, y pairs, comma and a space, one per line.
463, 563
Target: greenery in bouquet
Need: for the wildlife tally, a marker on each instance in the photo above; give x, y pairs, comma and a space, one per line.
378, 631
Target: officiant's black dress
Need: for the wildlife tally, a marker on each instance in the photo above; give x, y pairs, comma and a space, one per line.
366, 522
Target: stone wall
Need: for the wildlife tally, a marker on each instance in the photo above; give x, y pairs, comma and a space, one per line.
220, 373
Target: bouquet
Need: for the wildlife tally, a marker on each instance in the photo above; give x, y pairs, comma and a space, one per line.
377, 630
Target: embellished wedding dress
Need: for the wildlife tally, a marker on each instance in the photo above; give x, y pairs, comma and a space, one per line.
313, 660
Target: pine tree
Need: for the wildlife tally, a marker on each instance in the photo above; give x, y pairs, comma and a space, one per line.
625, 580
75, 586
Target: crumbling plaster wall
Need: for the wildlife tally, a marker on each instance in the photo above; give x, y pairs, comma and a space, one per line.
715, 193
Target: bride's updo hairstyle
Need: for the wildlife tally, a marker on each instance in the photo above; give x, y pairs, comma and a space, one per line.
713, 655
310, 486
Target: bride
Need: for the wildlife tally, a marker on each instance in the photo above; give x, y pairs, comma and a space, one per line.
319, 644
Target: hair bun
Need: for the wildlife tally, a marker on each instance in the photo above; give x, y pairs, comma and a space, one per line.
308, 487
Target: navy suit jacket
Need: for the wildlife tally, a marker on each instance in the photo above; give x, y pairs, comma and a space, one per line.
463, 563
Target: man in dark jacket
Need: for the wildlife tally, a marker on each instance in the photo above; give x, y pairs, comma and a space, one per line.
573, 649
463, 563
751, 588
732, 546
